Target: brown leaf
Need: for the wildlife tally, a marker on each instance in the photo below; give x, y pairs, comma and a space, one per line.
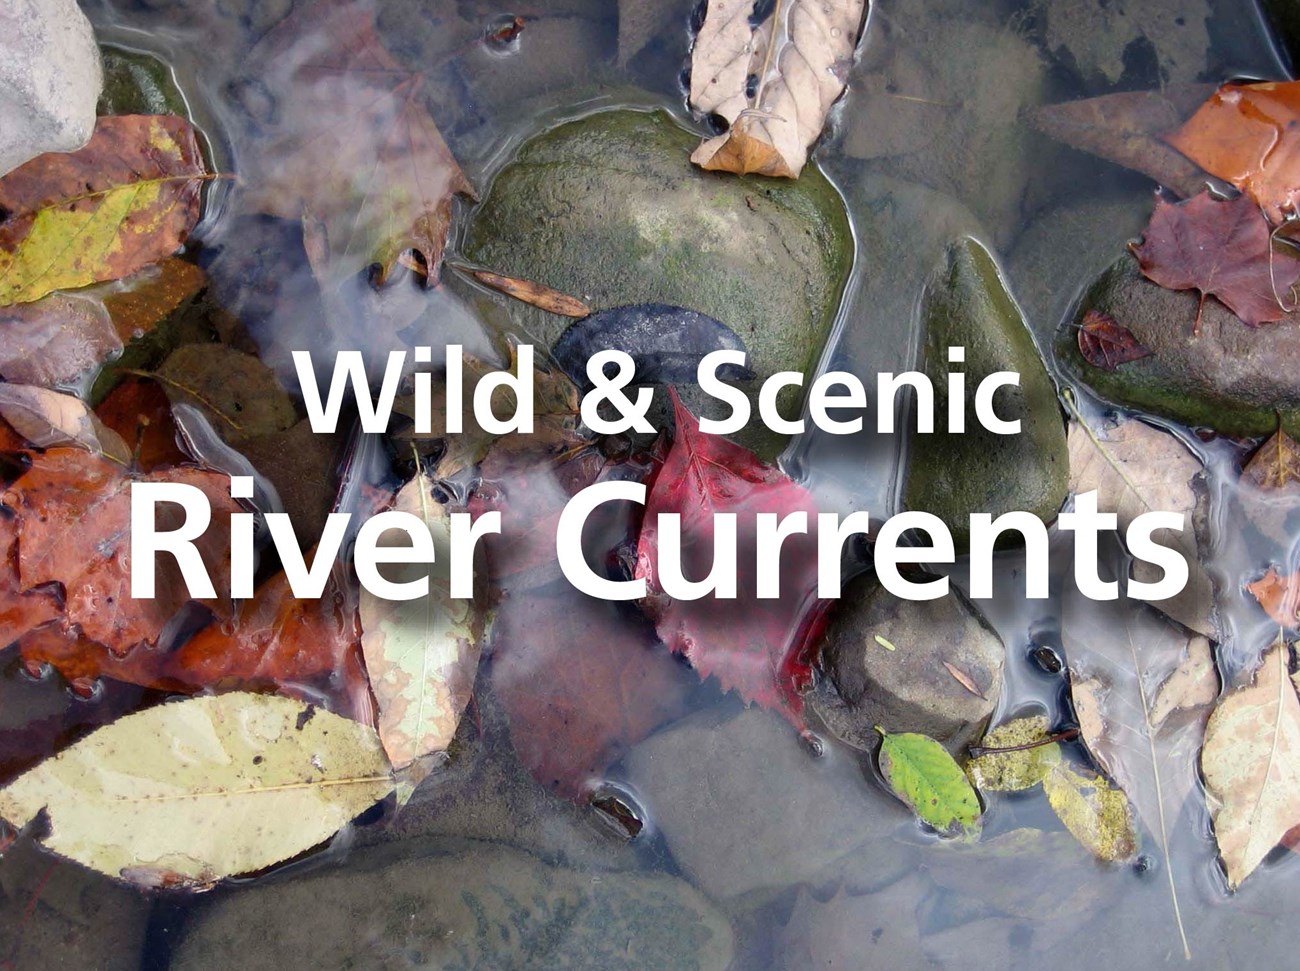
799, 56
1126, 129
1222, 248
536, 294
1279, 596
1275, 464
964, 679
127, 199
20, 611
48, 419
354, 153
1250, 136
138, 410
1106, 344
239, 393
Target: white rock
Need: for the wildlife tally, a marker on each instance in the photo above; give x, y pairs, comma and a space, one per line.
50, 79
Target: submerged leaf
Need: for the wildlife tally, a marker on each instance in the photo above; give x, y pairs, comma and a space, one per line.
930, 782
1136, 468
536, 294
1251, 764
1279, 596
204, 788
127, 199
1275, 464
48, 419
1095, 813
422, 655
1023, 768
773, 81
354, 153
1221, 248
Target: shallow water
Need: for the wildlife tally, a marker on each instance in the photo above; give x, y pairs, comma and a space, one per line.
911, 900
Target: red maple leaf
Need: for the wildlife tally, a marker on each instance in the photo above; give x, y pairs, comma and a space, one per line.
581, 682
1106, 344
760, 648
1221, 248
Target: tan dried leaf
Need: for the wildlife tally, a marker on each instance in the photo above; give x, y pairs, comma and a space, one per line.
799, 58
1193, 684
1251, 764
49, 419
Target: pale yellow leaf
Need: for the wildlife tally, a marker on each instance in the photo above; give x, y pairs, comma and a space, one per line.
799, 57
1251, 765
1095, 813
49, 418
1193, 684
203, 788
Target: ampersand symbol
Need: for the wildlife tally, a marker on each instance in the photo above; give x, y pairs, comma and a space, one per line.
631, 415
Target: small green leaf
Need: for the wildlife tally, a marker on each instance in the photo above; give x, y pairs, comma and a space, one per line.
1095, 812
1014, 771
925, 777
885, 643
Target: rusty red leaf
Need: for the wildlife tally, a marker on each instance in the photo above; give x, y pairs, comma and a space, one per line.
1106, 344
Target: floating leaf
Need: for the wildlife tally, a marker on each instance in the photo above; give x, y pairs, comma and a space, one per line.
930, 782
1095, 813
1251, 764
422, 654
1247, 134
1193, 684
1105, 344
235, 390
1136, 468
204, 788
127, 199
1221, 248
535, 294
1032, 757
48, 419
1275, 464
772, 81
353, 152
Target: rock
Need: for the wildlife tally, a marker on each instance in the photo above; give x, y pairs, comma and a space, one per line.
745, 806
907, 689
50, 79
1064, 249
608, 208
1230, 377
878, 930
937, 99
136, 83
462, 905
966, 304
1147, 44
55, 914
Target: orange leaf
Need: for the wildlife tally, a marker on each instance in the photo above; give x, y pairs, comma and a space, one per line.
1278, 595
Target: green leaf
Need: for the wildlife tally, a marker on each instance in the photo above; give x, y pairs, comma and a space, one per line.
1095, 812
422, 655
925, 777
204, 788
1014, 771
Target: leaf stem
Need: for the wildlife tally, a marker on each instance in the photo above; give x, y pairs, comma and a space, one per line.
1069, 734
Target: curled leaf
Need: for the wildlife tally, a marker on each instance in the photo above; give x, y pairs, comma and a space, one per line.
772, 80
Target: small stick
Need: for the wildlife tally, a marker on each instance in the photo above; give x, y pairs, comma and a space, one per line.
979, 751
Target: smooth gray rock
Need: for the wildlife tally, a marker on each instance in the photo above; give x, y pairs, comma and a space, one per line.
50, 79
608, 208
745, 806
465, 905
953, 475
907, 689
1231, 378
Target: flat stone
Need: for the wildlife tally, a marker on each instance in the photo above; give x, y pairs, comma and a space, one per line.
1231, 378
608, 208
50, 79
884, 660
470, 905
745, 806
954, 475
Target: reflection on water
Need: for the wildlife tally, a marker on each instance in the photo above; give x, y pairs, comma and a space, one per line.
804, 858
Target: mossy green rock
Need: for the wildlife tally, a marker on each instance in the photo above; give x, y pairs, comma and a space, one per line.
136, 83
1231, 378
610, 209
966, 304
